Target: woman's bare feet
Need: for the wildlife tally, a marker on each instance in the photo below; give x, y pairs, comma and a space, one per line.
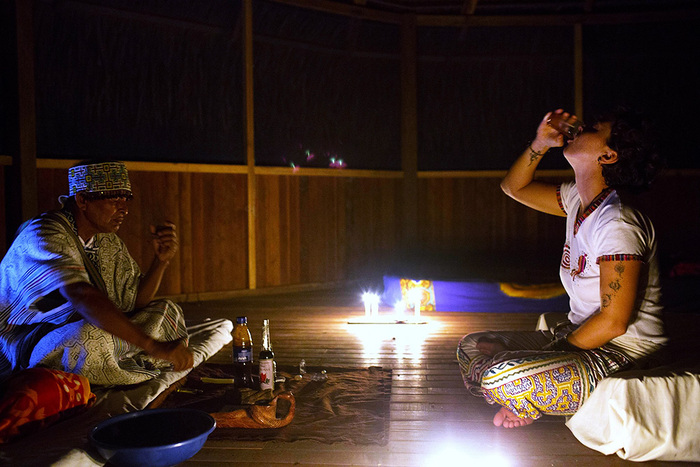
508, 419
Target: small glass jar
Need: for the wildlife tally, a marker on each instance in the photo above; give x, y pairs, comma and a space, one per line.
569, 127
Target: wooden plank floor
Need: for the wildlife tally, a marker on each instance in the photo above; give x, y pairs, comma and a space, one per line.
434, 421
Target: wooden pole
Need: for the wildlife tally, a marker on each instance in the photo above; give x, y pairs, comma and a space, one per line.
409, 130
578, 70
21, 176
249, 138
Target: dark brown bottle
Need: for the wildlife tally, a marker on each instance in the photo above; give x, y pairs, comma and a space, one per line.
242, 353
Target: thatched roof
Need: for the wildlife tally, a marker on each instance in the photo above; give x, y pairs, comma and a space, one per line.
514, 7
161, 81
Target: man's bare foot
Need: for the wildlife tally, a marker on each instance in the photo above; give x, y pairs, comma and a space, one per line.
490, 347
508, 419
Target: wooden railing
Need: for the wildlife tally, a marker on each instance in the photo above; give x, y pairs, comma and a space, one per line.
313, 225
316, 226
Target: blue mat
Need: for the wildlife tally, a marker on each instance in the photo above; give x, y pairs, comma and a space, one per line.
475, 296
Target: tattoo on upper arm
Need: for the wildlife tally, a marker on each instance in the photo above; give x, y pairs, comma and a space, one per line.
615, 285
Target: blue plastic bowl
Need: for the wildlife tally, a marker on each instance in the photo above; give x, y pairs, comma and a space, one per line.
156, 438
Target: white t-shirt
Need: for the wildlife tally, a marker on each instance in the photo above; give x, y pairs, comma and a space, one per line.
609, 230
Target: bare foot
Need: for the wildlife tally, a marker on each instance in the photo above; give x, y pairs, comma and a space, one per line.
490, 347
508, 419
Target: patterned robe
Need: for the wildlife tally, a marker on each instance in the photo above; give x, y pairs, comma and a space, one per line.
38, 327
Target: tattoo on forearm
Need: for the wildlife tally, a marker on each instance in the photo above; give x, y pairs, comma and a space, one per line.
534, 155
614, 286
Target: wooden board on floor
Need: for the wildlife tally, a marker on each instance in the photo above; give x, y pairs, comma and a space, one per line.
434, 421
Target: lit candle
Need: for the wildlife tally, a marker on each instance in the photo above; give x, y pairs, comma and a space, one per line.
399, 308
368, 303
416, 296
371, 301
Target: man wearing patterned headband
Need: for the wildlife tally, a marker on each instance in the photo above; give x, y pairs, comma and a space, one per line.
72, 298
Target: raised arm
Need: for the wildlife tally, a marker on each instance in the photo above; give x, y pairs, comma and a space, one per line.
520, 184
99, 311
165, 245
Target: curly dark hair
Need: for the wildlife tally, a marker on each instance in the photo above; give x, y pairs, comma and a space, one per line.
634, 138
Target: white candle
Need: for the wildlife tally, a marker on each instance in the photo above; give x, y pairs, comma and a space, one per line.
371, 301
368, 304
416, 296
399, 308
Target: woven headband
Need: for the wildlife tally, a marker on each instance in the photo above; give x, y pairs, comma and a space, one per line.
104, 176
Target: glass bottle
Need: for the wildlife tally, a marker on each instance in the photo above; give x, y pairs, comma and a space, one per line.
266, 359
242, 353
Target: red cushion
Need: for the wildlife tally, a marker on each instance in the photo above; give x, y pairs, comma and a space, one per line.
37, 397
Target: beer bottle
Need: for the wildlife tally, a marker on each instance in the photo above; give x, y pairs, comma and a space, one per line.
266, 359
242, 353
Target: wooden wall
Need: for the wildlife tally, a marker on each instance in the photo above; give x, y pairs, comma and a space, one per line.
674, 207
315, 228
323, 229
209, 210
310, 229
474, 212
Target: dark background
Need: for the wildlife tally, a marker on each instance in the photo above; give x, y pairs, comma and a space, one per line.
161, 81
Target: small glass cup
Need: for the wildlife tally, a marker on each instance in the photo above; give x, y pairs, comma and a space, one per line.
570, 127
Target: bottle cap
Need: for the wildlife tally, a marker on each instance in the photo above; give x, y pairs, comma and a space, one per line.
242, 320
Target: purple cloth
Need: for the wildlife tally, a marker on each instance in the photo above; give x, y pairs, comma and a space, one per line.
476, 296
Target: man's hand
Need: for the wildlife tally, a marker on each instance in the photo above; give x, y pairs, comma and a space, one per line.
165, 242
165, 246
172, 351
98, 310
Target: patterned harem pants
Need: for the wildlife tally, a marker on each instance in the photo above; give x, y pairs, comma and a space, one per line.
531, 382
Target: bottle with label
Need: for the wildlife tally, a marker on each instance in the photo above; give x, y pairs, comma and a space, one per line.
266, 359
242, 353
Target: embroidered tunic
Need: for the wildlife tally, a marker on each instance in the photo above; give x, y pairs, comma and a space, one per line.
39, 327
